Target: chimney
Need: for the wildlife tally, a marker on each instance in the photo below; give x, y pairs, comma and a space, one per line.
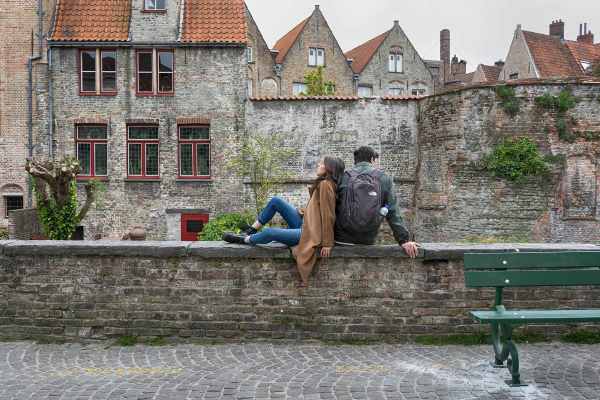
396, 23
585, 36
445, 54
499, 64
462, 67
557, 29
316, 7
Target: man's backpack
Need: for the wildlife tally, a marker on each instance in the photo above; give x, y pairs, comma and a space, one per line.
362, 202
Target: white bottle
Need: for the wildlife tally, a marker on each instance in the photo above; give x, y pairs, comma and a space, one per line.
384, 211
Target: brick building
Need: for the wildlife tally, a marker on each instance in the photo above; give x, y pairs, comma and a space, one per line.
22, 45
262, 77
537, 55
149, 95
308, 45
389, 65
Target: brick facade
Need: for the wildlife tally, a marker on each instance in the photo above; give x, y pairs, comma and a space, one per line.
415, 74
316, 33
261, 71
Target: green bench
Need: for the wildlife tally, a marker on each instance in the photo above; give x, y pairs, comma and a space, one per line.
521, 269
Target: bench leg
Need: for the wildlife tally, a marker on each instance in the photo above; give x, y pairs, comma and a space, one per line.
506, 350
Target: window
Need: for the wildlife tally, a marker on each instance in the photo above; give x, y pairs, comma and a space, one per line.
155, 5
92, 150
143, 152
514, 76
194, 152
586, 65
98, 72
12, 203
299, 88
396, 91
365, 91
249, 55
250, 87
155, 69
396, 63
316, 57
419, 92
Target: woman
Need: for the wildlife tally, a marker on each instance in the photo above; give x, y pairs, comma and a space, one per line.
308, 229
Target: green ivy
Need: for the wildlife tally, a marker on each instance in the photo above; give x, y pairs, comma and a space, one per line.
508, 100
3, 233
58, 223
228, 222
561, 104
516, 160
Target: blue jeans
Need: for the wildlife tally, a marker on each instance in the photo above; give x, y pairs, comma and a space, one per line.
289, 237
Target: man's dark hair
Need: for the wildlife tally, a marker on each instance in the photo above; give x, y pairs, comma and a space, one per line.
365, 154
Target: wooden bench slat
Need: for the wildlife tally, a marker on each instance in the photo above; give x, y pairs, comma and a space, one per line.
527, 316
567, 259
510, 278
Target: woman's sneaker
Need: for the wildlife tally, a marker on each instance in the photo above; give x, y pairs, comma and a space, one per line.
248, 230
233, 238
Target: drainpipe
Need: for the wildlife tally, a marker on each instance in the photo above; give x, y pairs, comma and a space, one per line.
50, 107
30, 62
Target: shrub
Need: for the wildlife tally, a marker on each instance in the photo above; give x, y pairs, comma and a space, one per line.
516, 160
3, 234
316, 85
228, 222
561, 104
508, 100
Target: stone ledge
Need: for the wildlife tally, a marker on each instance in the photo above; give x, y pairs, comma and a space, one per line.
429, 251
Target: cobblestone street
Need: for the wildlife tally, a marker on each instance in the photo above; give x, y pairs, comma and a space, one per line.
267, 371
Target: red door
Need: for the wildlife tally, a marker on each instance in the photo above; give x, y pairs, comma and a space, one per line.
192, 225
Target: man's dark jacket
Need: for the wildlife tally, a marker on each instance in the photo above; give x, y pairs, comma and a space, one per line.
393, 217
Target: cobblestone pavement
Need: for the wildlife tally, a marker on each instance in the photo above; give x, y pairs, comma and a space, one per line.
271, 371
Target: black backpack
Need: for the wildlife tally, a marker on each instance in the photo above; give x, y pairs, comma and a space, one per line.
361, 205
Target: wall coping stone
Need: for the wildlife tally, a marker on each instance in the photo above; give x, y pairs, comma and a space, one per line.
429, 251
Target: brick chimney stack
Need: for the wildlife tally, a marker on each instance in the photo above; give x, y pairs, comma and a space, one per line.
445, 53
499, 64
585, 36
557, 29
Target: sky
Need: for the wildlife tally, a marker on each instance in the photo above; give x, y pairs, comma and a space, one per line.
480, 30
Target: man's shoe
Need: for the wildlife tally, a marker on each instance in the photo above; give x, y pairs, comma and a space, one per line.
233, 238
248, 230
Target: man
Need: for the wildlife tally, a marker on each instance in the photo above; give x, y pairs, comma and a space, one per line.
364, 158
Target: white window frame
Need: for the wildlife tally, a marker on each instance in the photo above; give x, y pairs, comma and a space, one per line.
362, 89
155, 8
400, 91
250, 87
316, 57
296, 86
396, 63
250, 54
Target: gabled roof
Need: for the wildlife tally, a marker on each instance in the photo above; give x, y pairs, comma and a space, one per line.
490, 72
551, 57
284, 44
584, 51
203, 21
463, 78
362, 54
214, 21
92, 20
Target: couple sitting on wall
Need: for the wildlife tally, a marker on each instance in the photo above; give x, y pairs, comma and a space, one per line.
346, 205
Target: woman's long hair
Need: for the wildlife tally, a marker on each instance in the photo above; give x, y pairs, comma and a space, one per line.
334, 168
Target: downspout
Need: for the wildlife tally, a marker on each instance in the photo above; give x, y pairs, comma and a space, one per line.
30, 62
50, 107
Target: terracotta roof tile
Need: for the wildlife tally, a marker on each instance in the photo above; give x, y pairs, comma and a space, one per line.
584, 51
491, 73
552, 58
214, 21
362, 54
92, 20
284, 44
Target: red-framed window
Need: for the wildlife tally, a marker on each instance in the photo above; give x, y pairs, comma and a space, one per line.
155, 5
143, 152
155, 72
98, 72
92, 150
194, 151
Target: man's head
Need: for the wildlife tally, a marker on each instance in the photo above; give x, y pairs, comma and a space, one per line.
365, 154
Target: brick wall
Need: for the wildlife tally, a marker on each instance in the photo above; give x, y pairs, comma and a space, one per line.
262, 70
415, 74
209, 290
317, 33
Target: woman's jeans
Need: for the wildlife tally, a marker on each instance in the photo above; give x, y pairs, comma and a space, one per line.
289, 237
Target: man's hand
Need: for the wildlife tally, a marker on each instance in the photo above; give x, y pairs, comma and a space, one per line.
411, 249
325, 252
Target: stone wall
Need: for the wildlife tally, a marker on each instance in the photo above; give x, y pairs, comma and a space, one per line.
210, 290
